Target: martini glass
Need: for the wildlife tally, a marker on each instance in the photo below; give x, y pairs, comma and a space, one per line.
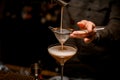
62, 54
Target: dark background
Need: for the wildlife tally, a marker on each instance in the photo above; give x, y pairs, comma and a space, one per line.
24, 41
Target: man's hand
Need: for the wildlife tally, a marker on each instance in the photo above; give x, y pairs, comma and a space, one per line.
87, 33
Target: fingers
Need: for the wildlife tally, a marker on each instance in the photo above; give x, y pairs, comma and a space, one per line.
82, 24
88, 32
82, 35
78, 34
87, 40
88, 25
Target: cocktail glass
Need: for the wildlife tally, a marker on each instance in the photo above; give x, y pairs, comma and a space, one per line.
62, 54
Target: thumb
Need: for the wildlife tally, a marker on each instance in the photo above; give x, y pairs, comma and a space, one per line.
87, 40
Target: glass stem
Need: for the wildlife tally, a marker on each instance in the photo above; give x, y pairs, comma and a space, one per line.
62, 67
62, 45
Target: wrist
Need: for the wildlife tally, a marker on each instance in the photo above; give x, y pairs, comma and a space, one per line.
96, 38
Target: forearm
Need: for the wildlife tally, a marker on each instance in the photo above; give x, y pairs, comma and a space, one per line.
111, 33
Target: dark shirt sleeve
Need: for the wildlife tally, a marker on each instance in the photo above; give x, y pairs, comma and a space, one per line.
112, 29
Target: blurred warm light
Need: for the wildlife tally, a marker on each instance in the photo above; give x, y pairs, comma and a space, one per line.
26, 12
48, 17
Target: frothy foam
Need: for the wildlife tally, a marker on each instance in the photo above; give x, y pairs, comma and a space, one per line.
56, 51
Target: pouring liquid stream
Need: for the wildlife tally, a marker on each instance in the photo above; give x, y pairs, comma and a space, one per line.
61, 26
